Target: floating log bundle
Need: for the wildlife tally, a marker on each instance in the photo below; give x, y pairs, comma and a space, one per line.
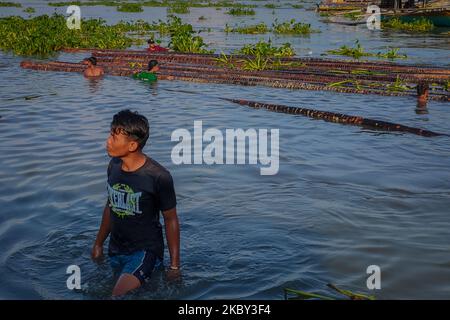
381, 78
313, 74
336, 117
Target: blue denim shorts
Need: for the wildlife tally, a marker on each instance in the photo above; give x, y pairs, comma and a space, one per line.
140, 264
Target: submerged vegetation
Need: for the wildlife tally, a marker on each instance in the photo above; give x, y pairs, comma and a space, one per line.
358, 51
418, 25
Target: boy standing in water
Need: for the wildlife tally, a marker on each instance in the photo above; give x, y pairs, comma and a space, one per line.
138, 189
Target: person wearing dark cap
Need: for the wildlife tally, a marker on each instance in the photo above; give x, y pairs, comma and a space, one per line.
153, 47
92, 69
150, 74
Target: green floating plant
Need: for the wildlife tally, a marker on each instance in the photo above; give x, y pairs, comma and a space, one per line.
303, 295
130, 7
259, 28
241, 12
292, 27
418, 25
44, 35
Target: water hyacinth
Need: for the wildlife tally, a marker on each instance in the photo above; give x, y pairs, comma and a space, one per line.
10, 4
418, 25
178, 7
292, 27
259, 28
44, 35
266, 49
130, 7
183, 37
241, 12
358, 52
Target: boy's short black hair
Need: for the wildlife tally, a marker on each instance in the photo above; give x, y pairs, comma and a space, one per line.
422, 87
132, 124
151, 64
92, 60
150, 41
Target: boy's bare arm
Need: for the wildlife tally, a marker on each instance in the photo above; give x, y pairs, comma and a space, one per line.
103, 233
173, 236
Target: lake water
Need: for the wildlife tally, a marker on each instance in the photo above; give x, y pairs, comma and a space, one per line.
344, 198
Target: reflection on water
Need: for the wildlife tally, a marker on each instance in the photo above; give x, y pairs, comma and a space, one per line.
344, 198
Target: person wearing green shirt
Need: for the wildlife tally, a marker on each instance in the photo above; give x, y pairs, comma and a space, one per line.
150, 74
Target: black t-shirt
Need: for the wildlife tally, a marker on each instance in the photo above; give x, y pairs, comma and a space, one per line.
135, 200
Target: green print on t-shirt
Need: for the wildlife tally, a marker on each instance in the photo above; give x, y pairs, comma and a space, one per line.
123, 200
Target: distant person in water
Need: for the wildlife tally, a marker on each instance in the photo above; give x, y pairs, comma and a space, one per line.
153, 47
423, 90
92, 70
150, 74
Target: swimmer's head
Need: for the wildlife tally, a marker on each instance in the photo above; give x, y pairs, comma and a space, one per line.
90, 61
153, 65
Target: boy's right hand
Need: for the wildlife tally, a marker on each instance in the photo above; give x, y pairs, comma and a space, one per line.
97, 252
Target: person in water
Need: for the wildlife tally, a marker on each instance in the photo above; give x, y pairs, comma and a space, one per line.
153, 47
139, 188
150, 74
423, 91
92, 69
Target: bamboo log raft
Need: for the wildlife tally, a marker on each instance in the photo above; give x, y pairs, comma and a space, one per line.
208, 78
210, 59
203, 59
225, 76
306, 74
337, 118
